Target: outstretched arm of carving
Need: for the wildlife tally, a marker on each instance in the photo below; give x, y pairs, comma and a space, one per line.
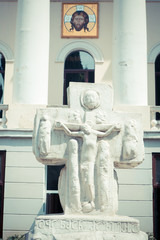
60, 125
116, 127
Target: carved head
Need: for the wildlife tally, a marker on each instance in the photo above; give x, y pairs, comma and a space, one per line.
90, 99
130, 126
44, 118
74, 117
86, 129
101, 117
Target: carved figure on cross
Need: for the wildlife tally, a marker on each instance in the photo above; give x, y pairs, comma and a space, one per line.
90, 139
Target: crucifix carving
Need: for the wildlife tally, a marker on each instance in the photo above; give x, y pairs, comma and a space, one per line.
90, 139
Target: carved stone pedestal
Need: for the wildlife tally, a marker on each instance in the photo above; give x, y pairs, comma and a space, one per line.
63, 227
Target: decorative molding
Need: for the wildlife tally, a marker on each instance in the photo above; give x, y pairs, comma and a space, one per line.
81, 46
6, 51
79, 1
153, 53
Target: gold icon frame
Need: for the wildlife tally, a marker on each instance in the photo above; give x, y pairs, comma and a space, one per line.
89, 10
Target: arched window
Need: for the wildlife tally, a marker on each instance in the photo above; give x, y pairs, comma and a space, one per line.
157, 84
79, 67
2, 75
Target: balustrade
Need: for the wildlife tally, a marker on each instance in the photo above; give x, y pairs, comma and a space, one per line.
3, 119
155, 123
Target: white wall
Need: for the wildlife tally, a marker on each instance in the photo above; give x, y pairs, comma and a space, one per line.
135, 193
103, 43
153, 38
24, 186
8, 11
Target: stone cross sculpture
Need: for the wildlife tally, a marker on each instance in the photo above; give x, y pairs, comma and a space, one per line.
90, 139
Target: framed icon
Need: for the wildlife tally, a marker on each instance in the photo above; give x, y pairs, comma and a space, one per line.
79, 20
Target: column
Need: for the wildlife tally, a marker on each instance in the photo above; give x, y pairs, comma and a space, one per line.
130, 52
32, 52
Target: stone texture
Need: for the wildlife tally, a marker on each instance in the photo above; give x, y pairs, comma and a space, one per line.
90, 139
60, 227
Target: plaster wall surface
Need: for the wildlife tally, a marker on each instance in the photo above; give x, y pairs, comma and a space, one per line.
153, 39
103, 43
24, 186
8, 12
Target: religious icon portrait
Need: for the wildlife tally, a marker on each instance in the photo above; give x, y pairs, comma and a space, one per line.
80, 20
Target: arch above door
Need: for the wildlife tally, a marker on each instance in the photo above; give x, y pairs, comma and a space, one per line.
153, 53
80, 46
6, 51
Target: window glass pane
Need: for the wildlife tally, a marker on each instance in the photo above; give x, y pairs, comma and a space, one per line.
2, 73
157, 84
158, 170
0, 200
53, 173
157, 64
1, 210
79, 60
91, 77
74, 77
0, 168
158, 89
79, 67
86, 60
53, 204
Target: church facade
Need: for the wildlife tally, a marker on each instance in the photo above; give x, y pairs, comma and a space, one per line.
45, 45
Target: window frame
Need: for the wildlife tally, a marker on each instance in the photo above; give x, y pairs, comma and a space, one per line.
85, 71
2, 184
49, 194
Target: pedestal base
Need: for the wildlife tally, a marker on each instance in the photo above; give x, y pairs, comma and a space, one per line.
68, 227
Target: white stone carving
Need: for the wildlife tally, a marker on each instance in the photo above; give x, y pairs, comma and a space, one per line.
130, 141
88, 158
90, 139
60, 227
44, 139
90, 99
107, 185
154, 125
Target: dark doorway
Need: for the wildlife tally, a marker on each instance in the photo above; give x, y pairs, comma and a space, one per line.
2, 75
53, 204
156, 195
2, 171
79, 67
157, 84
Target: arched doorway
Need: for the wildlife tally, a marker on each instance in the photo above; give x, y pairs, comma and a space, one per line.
157, 84
79, 67
2, 75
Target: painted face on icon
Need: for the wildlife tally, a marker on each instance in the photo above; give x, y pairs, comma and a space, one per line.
79, 21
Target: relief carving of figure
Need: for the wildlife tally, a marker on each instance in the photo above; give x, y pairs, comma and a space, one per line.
130, 141
90, 139
44, 140
90, 136
90, 99
88, 157
107, 184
